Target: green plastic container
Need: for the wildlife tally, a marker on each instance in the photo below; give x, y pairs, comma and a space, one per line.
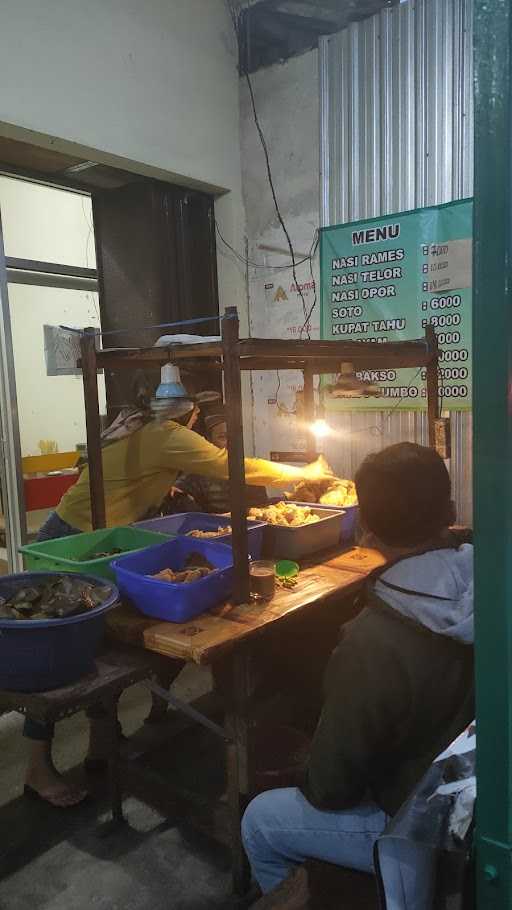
287, 569
77, 553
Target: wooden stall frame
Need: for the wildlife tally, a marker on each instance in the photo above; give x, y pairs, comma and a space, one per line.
232, 354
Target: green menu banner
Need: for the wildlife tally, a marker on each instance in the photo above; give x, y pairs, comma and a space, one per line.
386, 279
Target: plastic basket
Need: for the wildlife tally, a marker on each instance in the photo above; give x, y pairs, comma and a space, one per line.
297, 543
41, 654
349, 522
184, 522
77, 553
175, 602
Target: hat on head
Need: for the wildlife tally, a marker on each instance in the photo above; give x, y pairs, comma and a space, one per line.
170, 408
209, 399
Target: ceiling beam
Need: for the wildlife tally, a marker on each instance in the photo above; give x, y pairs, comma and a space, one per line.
271, 31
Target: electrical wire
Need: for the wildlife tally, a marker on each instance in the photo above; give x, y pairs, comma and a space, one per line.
92, 298
281, 407
256, 265
147, 328
312, 254
264, 146
274, 197
294, 263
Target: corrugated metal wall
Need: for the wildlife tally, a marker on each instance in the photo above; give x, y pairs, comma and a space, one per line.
397, 134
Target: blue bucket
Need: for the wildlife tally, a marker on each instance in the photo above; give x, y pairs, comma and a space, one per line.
41, 654
175, 602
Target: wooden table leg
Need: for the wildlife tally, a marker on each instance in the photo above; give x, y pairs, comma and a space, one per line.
116, 799
235, 681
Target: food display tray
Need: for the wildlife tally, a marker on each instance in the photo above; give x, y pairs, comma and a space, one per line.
76, 553
175, 602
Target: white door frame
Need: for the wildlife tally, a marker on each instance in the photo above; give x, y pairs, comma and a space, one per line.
11, 473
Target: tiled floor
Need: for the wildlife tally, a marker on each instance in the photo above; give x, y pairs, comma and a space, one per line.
56, 860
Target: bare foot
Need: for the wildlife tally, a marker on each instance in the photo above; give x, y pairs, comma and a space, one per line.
56, 791
44, 780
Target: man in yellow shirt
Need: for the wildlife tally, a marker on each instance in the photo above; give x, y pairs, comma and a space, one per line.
138, 469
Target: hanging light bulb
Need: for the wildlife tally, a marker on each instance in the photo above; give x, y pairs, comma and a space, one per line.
171, 393
171, 385
320, 429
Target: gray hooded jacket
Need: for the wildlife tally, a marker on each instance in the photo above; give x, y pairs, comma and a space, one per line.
399, 686
434, 589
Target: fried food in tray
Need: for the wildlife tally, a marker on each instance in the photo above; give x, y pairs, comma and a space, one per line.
207, 535
285, 514
196, 567
326, 492
184, 578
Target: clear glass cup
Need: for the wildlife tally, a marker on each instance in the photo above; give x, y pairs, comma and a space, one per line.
262, 574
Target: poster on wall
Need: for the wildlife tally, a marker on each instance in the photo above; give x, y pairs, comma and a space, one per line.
386, 279
61, 351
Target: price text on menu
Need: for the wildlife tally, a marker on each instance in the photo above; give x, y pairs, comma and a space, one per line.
386, 279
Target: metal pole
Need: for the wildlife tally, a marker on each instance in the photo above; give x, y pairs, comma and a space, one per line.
41, 280
432, 387
93, 425
492, 447
324, 129
309, 411
11, 475
238, 498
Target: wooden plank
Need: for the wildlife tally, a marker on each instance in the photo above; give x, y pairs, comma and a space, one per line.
272, 363
371, 357
235, 427
113, 671
432, 389
115, 357
271, 354
205, 638
357, 559
92, 422
198, 641
119, 362
309, 411
334, 349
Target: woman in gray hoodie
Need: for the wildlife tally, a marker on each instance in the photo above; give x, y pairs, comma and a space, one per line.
399, 686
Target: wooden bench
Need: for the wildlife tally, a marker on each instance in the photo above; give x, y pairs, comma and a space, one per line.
115, 670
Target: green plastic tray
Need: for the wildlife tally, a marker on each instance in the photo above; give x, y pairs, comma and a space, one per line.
77, 553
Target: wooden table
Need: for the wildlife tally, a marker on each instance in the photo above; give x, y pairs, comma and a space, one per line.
224, 638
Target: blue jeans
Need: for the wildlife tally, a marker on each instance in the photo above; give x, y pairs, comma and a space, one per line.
55, 527
280, 830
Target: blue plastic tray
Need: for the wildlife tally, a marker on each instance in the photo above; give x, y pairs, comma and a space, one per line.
41, 654
175, 602
184, 522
